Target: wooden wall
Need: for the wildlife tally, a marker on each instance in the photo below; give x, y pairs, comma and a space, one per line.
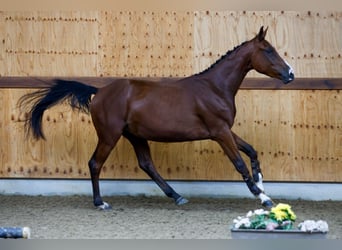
298, 133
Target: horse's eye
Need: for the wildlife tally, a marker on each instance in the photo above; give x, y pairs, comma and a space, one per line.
269, 50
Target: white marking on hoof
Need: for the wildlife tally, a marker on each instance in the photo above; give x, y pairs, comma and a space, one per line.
181, 201
104, 206
259, 183
264, 198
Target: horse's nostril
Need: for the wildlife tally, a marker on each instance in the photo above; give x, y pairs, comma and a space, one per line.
291, 76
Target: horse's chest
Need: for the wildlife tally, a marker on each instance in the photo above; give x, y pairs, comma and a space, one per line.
220, 111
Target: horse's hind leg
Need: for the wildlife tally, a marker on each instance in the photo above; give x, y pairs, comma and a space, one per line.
143, 154
253, 156
95, 165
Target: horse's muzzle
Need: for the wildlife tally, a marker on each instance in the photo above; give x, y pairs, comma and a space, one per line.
288, 78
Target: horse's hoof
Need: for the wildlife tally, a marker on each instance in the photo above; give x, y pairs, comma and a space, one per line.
181, 201
267, 203
104, 207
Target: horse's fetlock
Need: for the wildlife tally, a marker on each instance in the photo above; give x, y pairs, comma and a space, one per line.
252, 186
98, 202
169, 192
256, 190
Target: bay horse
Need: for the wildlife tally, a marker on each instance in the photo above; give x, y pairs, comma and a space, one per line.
198, 107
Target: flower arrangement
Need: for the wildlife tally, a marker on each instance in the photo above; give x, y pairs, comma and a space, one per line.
276, 223
280, 217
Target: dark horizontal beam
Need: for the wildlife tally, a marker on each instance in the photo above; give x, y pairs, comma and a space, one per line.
248, 83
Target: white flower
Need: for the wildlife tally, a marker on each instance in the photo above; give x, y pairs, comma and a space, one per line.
246, 222
311, 225
243, 222
249, 214
322, 226
307, 226
261, 212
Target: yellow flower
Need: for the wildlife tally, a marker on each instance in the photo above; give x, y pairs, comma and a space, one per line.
280, 215
293, 217
283, 212
282, 206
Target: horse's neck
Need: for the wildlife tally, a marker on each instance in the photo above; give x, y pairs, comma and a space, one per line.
230, 72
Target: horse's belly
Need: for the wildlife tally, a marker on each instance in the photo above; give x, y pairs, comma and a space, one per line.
171, 132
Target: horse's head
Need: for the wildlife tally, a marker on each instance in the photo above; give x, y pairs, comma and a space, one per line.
266, 60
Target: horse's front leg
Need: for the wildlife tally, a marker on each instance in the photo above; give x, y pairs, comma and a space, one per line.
253, 156
227, 141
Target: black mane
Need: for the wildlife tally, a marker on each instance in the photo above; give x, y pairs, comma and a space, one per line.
221, 59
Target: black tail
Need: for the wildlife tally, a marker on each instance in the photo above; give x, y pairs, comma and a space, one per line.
77, 94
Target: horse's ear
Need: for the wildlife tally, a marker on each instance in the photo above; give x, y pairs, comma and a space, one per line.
262, 33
